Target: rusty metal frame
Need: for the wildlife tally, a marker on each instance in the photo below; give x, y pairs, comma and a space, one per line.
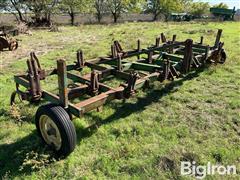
6, 41
160, 62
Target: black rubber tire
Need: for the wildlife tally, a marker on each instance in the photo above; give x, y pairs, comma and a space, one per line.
223, 57
10, 48
13, 46
1, 46
65, 126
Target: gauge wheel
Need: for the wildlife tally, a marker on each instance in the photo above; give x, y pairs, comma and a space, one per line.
223, 57
1, 46
13, 45
56, 129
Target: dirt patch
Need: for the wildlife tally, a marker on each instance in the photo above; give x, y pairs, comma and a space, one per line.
189, 157
9, 57
166, 164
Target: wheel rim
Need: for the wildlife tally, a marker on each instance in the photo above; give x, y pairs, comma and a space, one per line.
12, 46
50, 132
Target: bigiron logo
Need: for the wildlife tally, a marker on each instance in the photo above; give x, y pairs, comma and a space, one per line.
200, 171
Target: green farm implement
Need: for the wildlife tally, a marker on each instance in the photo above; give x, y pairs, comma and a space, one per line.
225, 14
135, 69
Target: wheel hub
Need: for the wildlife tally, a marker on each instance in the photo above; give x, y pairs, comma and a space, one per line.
50, 132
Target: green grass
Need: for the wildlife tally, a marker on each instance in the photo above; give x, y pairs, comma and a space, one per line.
194, 118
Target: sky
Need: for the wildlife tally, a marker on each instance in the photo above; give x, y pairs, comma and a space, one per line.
230, 3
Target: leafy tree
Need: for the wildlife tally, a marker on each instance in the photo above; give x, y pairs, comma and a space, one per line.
100, 9
154, 7
165, 7
221, 5
42, 10
117, 7
73, 7
136, 6
2, 4
199, 8
15, 7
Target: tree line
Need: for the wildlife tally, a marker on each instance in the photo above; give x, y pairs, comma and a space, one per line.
40, 11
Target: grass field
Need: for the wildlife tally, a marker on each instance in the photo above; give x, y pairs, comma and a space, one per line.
196, 118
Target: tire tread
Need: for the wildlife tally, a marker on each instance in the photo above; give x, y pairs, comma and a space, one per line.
65, 125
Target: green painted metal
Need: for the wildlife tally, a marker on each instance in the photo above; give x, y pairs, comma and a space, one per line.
47, 95
226, 14
222, 11
55, 100
22, 81
145, 67
172, 57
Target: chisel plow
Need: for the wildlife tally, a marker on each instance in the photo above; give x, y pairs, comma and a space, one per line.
165, 60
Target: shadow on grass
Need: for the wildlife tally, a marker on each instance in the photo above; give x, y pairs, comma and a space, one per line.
13, 155
24, 156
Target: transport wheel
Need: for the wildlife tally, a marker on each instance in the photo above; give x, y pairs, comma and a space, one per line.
56, 129
13, 45
1, 46
16, 45
10, 47
223, 57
